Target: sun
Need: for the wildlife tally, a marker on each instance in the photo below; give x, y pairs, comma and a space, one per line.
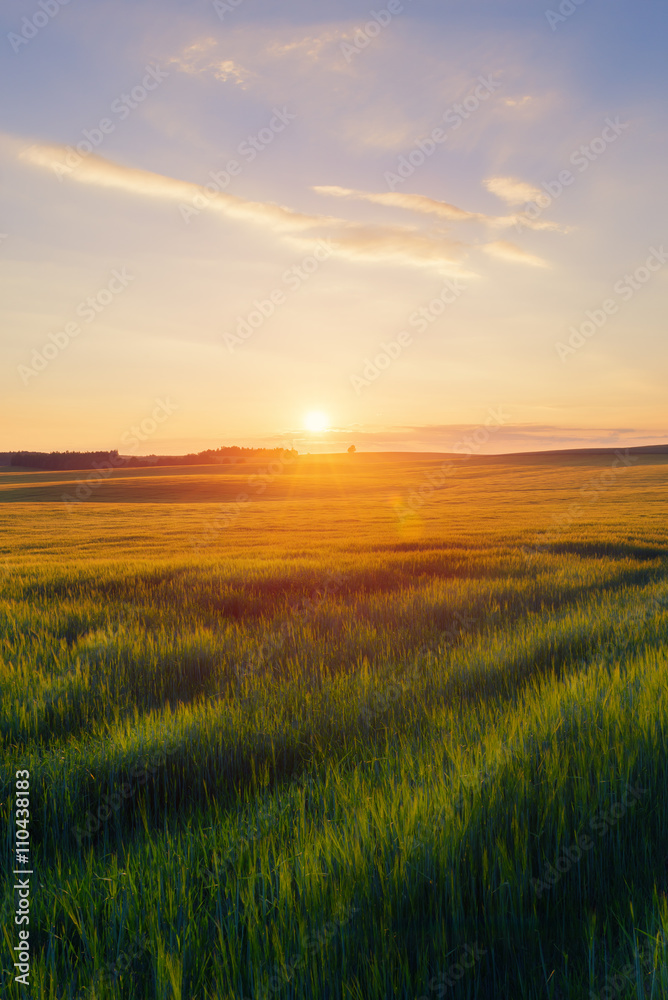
316, 421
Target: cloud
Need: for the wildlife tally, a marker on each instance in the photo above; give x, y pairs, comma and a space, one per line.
96, 170
398, 244
198, 58
441, 209
517, 192
268, 51
505, 250
512, 190
517, 102
310, 47
512, 438
412, 202
403, 245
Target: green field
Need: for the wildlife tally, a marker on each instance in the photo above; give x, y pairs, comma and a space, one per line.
361, 727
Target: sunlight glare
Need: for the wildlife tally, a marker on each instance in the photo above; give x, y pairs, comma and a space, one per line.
316, 421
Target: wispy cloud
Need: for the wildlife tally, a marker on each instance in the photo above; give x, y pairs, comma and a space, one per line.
439, 209
401, 245
96, 170
505, 250
396, 199
355, 241
309, 47
513, 438
512, 190
517, 102
200, 58
249, 54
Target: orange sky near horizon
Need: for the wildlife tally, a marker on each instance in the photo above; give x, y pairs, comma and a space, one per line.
435, 222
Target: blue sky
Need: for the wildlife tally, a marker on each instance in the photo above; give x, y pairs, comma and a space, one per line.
405, 308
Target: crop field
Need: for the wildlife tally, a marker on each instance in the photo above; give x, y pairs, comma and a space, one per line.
353, 728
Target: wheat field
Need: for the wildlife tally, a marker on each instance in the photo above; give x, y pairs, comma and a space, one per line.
359, 727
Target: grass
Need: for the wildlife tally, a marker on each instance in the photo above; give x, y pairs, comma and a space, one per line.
334, 745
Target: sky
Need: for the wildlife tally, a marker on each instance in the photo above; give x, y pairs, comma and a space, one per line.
426, 223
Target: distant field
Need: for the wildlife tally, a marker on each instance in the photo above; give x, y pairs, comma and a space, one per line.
363, 727
338, 477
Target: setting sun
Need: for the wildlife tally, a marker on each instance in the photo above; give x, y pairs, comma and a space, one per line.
316, 421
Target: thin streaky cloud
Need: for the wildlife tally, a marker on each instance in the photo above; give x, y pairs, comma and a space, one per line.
440, 209
512, 190
412, 202
96, 170
505, 250
392, 244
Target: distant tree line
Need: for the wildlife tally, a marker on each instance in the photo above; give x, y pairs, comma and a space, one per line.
59, 460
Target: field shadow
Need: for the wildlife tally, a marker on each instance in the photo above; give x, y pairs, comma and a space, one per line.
608, 550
